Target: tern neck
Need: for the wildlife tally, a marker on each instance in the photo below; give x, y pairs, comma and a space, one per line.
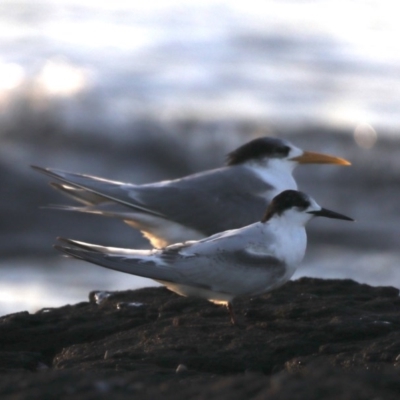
277, 173
291, 239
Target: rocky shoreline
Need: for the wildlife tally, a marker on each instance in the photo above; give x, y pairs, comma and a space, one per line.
311, 339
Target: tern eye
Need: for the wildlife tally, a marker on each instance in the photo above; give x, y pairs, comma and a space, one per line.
282, 151
304, 205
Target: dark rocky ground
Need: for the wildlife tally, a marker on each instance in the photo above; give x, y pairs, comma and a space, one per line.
311, 339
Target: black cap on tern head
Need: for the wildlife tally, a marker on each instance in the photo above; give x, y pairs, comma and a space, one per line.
273, 148
259, 148
286, 200
295, 199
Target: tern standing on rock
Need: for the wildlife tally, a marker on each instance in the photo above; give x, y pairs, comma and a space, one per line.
198, 205
248, 261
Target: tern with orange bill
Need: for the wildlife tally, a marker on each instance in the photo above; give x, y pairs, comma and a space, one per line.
199, 205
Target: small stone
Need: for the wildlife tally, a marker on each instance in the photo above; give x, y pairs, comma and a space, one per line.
123, 305
100, 296
44, 310
107, 355
397, 358
181, 368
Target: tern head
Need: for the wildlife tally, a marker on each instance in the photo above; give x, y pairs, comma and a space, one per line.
278, 151
298, 207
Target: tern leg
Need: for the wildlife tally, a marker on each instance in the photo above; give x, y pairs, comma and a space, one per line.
234, 320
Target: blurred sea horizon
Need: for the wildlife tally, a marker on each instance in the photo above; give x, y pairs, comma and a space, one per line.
144, 92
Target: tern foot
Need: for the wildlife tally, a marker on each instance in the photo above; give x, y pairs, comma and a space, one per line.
235, 321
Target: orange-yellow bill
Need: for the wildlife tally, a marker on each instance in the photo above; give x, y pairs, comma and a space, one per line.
309, 157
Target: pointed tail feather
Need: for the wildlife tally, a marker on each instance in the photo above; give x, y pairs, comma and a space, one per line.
98, 186
79, 194
135, 262
108, 209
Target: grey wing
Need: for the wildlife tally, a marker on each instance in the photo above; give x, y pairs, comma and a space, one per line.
209, 202
106, 208
271, 271
168, 265
81, 195
135, 262
98, 188
239, 273
237, 261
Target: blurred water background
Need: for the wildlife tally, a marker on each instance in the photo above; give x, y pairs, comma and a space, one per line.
143, 91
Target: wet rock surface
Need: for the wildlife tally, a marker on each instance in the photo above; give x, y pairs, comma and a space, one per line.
313, 339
